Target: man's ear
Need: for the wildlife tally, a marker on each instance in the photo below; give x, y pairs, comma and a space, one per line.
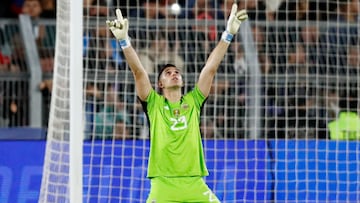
160, 85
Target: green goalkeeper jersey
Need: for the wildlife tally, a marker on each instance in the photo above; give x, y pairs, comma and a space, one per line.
176, 148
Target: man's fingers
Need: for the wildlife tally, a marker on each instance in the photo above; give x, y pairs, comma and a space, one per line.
119, 15
118, 24
114, 23
110, 23
233, 9
126, 23
242, 15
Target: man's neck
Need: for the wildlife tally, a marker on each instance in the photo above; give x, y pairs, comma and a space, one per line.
172, 95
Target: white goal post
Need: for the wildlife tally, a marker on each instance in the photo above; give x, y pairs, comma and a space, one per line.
62, 173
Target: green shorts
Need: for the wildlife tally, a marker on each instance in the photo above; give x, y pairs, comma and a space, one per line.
180, 189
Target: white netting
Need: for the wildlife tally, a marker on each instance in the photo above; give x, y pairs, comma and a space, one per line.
55, 181
287, 74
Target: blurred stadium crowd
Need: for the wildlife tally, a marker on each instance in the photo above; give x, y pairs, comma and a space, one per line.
309, 54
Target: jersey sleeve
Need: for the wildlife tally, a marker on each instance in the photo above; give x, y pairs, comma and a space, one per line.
198, 96
149, 103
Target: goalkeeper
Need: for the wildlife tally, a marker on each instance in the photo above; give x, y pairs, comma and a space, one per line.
176, 161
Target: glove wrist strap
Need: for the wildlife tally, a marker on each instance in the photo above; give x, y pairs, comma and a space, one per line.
124, 43
227, 36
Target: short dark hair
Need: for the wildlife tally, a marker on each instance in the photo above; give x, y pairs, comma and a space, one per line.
163, 68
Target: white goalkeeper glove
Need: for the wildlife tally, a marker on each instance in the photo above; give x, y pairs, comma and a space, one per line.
119, 28
233, 24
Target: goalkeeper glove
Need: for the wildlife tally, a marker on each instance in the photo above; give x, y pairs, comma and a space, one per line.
233, 24
119, 28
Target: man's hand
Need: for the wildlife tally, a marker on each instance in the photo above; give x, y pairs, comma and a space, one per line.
235, 19
119, 28
233, 24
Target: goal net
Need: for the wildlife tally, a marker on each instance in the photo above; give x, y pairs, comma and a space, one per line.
290, 72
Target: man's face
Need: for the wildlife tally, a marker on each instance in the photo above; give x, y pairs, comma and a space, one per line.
170, 78
32, 8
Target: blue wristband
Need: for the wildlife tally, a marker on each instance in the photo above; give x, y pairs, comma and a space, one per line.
227, 37
125, 43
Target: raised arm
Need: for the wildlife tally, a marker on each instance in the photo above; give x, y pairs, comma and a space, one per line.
119, 28
212, 64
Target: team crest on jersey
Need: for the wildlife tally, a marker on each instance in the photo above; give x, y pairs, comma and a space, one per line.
153, 201
176, 112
